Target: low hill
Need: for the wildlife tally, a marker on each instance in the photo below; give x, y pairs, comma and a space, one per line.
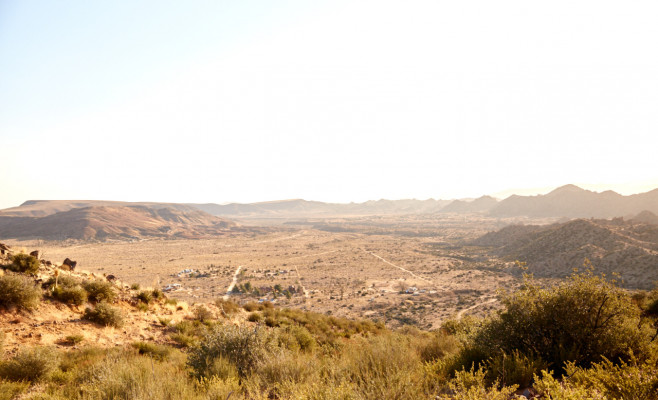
573, 202
613, 246
481, 204
115, 222
646, 217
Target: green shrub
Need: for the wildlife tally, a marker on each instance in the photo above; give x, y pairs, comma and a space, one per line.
70, 295
184, 340
471, 385
243, 346
62, 281
582, 319
635, 380
31, 364
135, 286
24, 263
157, 351
19, 291
104, 314
99, 290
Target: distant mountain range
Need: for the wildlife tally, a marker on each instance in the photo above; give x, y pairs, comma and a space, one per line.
573, 202
105, 219
568, 201
103, 222
629, 248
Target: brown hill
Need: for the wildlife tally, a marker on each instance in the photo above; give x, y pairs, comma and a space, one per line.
42, 208
481, 204
573, 202
553, 251
115, 222
646, 217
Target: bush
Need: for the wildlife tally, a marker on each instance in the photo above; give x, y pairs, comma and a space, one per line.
157, 351
24, 263
74, 339
145, 297
633, 381
157, 294
30, 365
99, 290
201, 313
104, 314
440, 345
184, 340
471, 385
135, 286
255, 317
513, 369
19, 291
583, 319
227, 307
70, 295
12, 390
244, 347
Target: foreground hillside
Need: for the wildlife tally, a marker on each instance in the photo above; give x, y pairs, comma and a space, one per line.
628, 248
80, 336
114, 222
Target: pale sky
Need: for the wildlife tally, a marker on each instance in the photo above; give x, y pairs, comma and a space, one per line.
219, 101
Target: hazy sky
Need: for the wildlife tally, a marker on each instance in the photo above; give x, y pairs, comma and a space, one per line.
217, 101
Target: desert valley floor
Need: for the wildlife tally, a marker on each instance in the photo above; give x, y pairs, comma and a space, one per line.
396, 278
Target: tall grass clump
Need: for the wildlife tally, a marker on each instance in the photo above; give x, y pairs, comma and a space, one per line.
30, 364
243, 346
19, 291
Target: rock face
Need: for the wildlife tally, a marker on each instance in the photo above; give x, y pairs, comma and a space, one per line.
613, 246
115, 222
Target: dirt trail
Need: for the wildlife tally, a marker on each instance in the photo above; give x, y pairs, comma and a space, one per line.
461, 312
300, 283
400, 268
233, 282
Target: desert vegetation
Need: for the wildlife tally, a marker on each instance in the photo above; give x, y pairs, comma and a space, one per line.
583, 337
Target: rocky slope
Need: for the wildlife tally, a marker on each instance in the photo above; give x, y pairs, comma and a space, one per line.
613, 246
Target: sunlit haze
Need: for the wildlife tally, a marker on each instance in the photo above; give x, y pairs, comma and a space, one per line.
220, 101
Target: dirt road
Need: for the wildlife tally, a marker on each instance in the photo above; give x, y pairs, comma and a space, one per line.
398, 267
233, 282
